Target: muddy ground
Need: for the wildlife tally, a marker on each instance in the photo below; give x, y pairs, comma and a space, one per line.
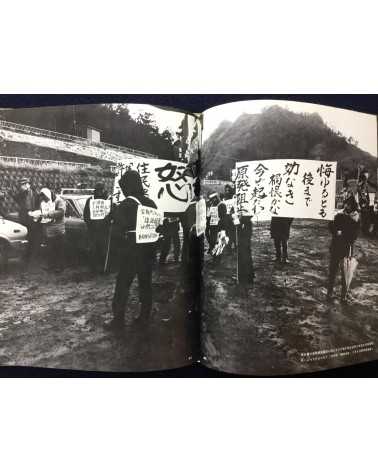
266, 329
57, 320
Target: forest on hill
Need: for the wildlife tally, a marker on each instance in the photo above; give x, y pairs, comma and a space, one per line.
115, 122
278, 133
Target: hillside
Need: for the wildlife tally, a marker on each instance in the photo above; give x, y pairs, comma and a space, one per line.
278, 133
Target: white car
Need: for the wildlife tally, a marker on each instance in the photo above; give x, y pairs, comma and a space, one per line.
13, 240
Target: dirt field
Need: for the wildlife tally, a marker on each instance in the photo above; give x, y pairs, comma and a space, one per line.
57, 320
265, 329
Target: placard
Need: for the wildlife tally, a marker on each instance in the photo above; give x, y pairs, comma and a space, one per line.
98, 208
148, 219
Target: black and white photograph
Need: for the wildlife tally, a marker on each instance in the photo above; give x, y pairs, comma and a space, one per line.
290, 270
95, 248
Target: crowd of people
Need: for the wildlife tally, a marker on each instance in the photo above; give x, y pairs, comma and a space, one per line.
43, 214
356, 216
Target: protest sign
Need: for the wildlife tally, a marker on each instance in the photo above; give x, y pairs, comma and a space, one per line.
165, 182
294, 188
230, 205
148, 219
98, 208
213, 213
200, 217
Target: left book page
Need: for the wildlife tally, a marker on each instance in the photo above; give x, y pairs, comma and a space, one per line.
94, 205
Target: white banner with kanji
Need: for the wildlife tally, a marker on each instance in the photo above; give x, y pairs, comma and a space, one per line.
165, 182
294, 188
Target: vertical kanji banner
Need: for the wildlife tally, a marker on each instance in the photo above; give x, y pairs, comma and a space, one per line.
165, 182
294, 188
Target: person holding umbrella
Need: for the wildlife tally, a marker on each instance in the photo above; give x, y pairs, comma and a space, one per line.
344, 229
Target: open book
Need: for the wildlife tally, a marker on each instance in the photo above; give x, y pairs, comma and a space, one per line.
136, 238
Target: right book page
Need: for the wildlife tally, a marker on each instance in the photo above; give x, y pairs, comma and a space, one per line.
290, 272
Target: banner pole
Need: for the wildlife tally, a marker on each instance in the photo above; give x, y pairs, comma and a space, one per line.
108, 243
237, 255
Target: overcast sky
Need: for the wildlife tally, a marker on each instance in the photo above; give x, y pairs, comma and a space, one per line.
361, 126
164, 119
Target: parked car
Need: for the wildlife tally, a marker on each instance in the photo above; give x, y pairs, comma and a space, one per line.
76, 229
13, 240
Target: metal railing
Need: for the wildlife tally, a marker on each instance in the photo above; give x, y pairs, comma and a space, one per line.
42, 163
8, 125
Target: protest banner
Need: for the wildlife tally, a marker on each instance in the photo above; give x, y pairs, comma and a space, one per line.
294, 188
200, 217
148, 219
98, 208
165, 182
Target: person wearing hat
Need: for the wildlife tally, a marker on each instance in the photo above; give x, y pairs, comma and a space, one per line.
135, 259
212, 220
53, 209
97, 230
344, 230
28, 201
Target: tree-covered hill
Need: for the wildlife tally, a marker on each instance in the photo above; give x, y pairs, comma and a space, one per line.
278, 133
116, 124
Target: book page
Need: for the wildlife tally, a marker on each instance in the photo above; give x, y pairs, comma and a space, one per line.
290, 272
94, 204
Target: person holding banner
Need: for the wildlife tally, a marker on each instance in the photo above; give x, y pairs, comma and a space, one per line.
364, 202
212, 221
95, 217
344, 230
170, 231
280, 233
245, 272
138, 253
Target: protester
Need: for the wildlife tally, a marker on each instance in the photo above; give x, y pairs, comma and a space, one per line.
280, 233
136, 259
28, 201
344, 230
170, 232
246, 273
347, 190
97, 231
364, 203
230, 227
212, 221
192, 254
53, 209
375, 218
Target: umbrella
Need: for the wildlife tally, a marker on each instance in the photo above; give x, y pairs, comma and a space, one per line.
350, 266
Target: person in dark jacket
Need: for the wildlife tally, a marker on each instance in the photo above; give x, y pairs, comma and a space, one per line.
344, 230
364, 202
246, 273
97, 231
228, 197
170, 232
280, 233
28, 201
136, 259
212, 221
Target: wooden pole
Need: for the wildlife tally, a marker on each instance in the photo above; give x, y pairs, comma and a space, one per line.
108, 243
